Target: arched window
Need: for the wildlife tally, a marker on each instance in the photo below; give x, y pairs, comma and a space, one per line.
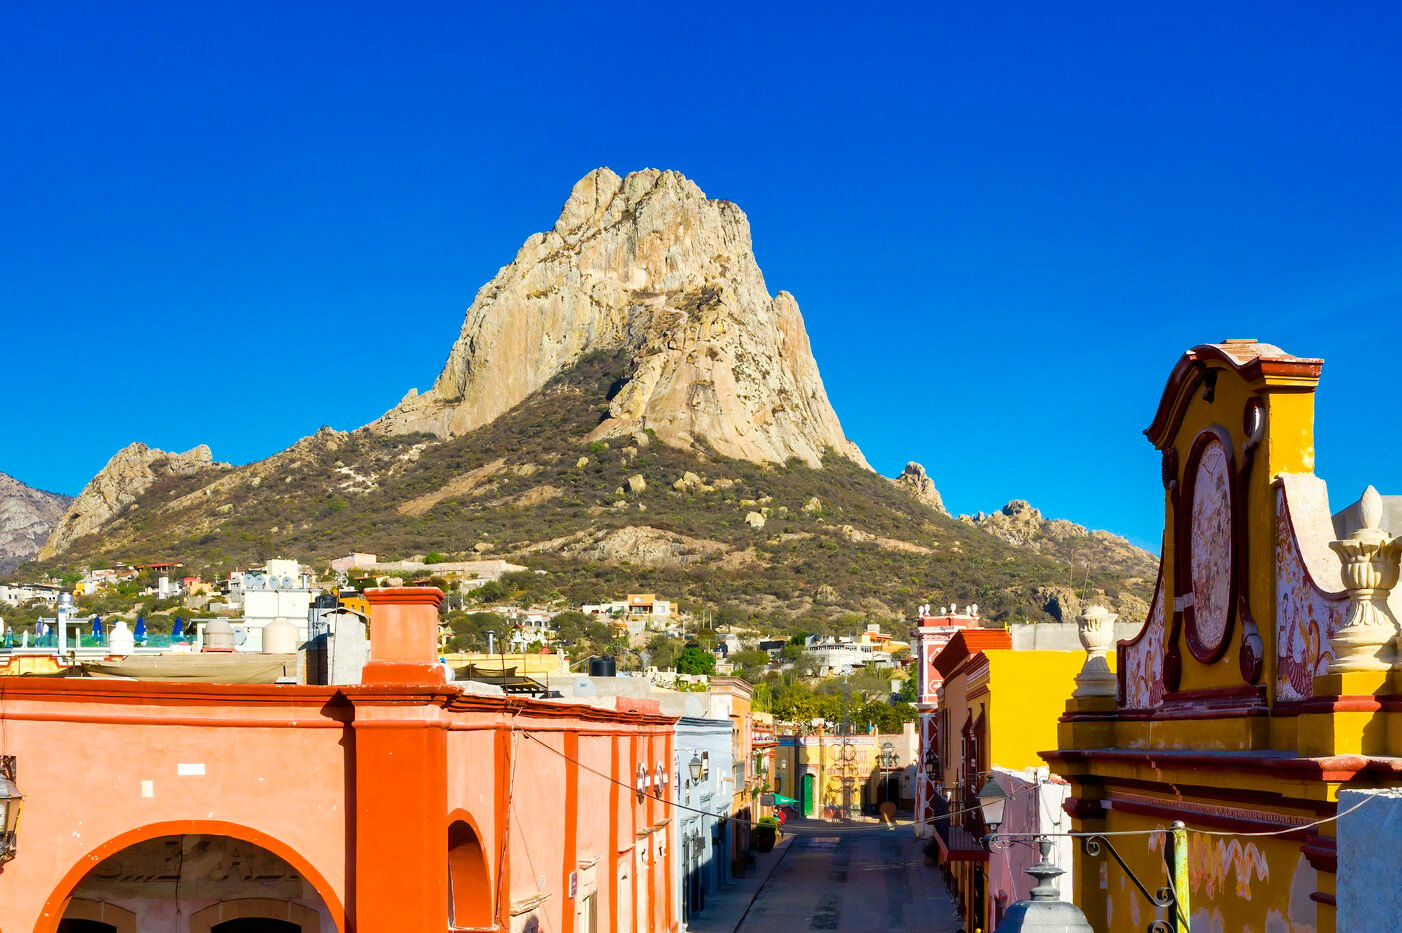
256, 925
469, 886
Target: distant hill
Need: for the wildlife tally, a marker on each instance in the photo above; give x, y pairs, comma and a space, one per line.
629, 409
27, 516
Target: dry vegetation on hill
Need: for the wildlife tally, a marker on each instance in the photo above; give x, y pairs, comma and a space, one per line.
529, 485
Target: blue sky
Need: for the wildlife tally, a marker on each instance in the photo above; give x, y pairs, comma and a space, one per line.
231, 224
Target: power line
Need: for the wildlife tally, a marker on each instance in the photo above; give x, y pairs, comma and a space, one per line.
875, 827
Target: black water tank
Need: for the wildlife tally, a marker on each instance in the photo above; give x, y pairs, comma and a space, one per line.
603, 667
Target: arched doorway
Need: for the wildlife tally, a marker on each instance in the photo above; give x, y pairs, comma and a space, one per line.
808, 782
469, 884
195, 883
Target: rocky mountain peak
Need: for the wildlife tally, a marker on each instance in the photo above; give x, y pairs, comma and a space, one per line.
27, 515
648, 265
917, 482
130, 472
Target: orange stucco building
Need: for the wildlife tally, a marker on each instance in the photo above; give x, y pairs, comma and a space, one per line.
398, 805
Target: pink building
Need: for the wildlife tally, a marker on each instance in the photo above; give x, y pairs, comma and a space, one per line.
932, 631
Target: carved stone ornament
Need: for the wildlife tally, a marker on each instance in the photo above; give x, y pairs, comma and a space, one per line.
1096, 626
1366, 640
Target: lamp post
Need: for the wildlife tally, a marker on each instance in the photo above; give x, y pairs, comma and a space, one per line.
11, 800
1045, 910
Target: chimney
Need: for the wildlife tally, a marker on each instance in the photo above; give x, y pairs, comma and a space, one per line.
404, 636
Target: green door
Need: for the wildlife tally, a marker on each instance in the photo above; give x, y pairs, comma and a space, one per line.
808, 795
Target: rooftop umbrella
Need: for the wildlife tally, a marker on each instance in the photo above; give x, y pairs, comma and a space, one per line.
140, 631
178, 632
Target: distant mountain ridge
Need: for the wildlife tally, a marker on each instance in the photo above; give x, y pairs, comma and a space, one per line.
626, 407
27, 516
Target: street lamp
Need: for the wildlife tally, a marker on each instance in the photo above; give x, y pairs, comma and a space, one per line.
695, 767
932, 763
991, 800
11, 800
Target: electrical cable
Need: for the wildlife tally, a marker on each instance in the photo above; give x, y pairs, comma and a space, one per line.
1192, 829
873, 828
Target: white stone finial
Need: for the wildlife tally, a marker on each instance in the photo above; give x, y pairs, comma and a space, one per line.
1366, 640
1096, 627
1371, 505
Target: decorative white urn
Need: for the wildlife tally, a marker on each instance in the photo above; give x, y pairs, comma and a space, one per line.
1366, 640
1096, 626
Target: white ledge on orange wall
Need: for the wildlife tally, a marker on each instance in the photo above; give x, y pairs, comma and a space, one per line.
528, 904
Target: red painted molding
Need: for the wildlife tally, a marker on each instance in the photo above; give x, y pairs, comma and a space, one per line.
1322, 852
1079, 808
1277, 764
1243, 824
1187, 375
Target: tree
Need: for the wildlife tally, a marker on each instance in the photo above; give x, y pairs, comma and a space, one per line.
694, 660
750, 664
663, 651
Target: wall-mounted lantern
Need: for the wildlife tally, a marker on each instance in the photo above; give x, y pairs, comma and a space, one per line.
991, 800
11, 800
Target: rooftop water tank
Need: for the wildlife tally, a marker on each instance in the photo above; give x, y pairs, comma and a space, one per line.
603, 667
279, 637
120, 641
219, 636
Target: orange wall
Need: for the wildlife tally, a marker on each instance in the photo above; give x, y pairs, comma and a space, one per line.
276, 765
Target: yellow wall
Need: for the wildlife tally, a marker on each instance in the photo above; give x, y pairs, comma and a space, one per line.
1028, 692
1238, 884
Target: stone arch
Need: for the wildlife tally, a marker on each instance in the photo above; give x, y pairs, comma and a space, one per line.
204, 921
59, 898
469, 879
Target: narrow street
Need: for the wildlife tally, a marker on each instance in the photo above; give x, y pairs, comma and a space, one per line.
856, 880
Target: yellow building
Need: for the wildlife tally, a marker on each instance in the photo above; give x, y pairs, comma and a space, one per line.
998, 708
1240, 709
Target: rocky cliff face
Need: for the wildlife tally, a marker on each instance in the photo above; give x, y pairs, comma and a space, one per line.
917, 483
647, 264
117, 486
27, 515
1022, 525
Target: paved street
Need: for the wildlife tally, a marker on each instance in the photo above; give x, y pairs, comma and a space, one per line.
858, 881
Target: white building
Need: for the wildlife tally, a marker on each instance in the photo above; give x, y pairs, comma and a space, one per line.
843, 655
22, 593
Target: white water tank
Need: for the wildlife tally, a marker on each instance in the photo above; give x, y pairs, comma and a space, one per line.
120, 641
280, 637
218, 636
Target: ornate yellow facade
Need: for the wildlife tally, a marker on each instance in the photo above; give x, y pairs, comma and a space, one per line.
1227, 716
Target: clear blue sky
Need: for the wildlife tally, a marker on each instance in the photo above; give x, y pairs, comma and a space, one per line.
230, 224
